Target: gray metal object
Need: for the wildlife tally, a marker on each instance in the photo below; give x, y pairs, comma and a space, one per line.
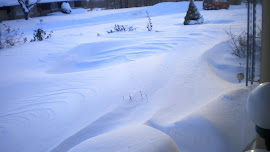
251, 41
247, 65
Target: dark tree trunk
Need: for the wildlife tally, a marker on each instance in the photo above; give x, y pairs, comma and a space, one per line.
26, 15
25, 10
126, 3
120, 3
27, 7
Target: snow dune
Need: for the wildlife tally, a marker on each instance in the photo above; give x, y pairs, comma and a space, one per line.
118, 117
127, 140
172, 89
213, 126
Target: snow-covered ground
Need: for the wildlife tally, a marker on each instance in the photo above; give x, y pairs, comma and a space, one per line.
172, 89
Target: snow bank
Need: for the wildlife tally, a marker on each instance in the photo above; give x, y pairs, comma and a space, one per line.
129, 112
223, 64
222, 121
222, 125
131, 139
229, 115
193, 133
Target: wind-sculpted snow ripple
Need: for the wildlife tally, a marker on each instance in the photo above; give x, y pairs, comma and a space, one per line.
22, 116
96, 55
41, 105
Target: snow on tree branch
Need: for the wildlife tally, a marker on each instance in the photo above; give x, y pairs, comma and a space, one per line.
27, 7
32, 5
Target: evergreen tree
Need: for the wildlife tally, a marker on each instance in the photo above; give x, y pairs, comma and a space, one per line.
193, 16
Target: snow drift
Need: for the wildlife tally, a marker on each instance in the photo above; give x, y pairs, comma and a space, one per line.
172, 89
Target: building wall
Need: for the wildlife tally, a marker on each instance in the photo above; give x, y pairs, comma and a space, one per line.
16, 12
4, 13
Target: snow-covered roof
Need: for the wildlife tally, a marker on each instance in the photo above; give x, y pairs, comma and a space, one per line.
15, 2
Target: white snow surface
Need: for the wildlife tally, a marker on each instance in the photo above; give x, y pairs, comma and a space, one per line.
172, 89
199, 21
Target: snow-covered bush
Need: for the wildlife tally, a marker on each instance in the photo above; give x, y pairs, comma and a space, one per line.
10, 37
65, 7
40, 35
149, 24
193, 16
119, 28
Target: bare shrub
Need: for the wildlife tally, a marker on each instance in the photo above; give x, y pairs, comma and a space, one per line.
238, 43
149, 24
119, 28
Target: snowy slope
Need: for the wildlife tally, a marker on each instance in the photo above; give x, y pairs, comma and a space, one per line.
78, 91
